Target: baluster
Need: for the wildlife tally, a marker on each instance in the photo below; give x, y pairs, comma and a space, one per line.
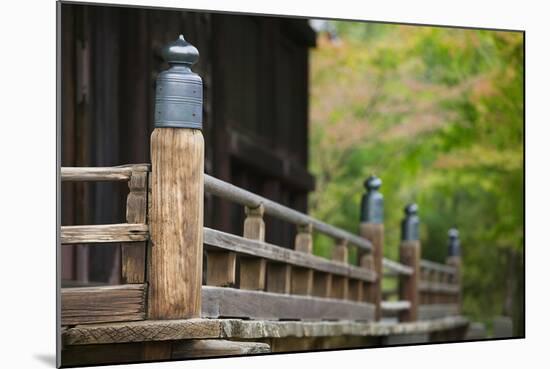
252, 269
340, 287
133, 254
302, 278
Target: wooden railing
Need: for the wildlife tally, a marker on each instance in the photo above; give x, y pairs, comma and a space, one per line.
164, 296
273, 282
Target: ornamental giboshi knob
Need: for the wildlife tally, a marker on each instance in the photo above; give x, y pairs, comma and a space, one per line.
178, 100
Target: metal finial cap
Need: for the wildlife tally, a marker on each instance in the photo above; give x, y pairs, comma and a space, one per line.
373, 183
453, 233
411, 209
180, 52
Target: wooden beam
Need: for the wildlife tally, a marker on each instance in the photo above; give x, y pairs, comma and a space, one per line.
104, 233
436, 311
103, 304
214, 239
189, 349
120, 173
166, 330
236, 194
229, 302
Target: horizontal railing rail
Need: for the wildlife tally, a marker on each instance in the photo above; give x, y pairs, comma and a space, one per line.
243, 197
443, 268
226, 241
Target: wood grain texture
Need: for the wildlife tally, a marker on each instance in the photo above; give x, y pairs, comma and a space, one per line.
245, 329
221, 267
322, 284
103, 304
375, 234
215, 348
133, 255
119, 173
230, 302
176, 221
302, 278
104, 233
214, 239
278, 278
253, 270
409, 255
147, 330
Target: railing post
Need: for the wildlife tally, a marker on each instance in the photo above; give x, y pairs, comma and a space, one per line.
454, 258
177, 159
372, 228
252, 270
409, 254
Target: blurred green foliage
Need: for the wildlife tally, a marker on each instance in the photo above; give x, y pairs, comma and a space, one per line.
437, 113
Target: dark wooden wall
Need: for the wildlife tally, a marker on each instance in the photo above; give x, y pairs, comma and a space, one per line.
255, 73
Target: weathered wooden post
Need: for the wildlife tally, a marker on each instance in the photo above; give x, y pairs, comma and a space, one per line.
176, 217
252, 272
372, 228
454, 259
409, 255
302, 278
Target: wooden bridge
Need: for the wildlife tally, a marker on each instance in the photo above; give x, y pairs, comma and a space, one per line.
190, 291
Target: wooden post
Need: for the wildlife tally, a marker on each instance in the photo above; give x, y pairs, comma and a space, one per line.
177, 158
252, 270
302, 278
454, 258
372, 228
409, 254
340, 286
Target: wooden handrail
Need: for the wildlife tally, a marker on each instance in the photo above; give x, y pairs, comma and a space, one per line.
426, 264
246, 198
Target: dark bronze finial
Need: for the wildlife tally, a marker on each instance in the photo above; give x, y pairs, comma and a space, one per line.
454, 242
180, 52
372, 202
410, 224
178, 102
